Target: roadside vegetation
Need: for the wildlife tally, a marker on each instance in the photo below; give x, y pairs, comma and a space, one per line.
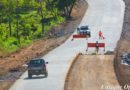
11, 66
23, 21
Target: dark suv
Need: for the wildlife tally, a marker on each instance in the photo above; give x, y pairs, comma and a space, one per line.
37, 67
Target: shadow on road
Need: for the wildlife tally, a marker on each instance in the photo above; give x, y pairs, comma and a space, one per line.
36, 77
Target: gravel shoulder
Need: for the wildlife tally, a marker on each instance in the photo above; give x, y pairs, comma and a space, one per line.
92, 72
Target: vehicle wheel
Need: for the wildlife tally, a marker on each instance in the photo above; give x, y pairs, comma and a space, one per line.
46, 74
29, 75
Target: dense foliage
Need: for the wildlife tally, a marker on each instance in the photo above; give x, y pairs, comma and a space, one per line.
22, 21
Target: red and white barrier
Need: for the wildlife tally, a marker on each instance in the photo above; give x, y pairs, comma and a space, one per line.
93, 45
79, 36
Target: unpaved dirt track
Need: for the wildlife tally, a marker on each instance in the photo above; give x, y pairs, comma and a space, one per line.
106, 15
92, 72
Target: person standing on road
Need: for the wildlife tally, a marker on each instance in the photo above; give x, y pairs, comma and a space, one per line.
97, 46
100, 34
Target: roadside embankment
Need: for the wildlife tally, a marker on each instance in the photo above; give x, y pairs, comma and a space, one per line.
122, 71
92, 72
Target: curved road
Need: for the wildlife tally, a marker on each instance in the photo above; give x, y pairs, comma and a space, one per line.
105, 15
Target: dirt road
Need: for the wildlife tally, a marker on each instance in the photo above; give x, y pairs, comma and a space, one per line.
91, 72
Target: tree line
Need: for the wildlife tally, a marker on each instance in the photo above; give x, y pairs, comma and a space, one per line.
22, 21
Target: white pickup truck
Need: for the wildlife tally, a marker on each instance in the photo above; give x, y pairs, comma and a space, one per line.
84, 30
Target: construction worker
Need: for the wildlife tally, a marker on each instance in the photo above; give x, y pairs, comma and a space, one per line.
97, 46
100, 35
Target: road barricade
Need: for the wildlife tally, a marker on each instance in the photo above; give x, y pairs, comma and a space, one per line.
93, 45
79, 36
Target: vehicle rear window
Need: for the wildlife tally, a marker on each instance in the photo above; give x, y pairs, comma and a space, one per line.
37, 62
84, 28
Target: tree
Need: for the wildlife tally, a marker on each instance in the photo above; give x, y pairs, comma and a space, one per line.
17, 20
28, 5
41, 9
10, 12
65, 5
50, 6
6, 9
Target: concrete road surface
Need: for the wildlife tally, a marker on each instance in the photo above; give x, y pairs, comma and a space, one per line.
105, 15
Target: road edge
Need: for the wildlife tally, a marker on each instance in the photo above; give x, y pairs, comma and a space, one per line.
70, 69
